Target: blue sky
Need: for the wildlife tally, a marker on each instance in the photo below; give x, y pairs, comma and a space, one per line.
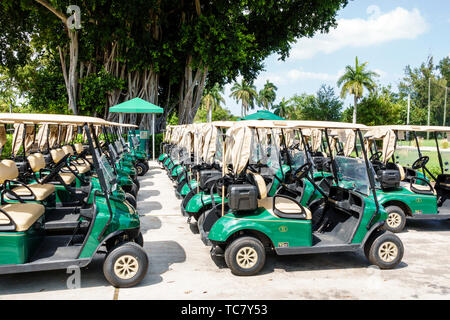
388, 34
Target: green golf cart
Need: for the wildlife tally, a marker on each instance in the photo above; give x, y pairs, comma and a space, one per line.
346, 219
406, 187
109, 226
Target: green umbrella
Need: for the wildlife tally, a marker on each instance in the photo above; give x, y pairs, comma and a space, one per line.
262, 115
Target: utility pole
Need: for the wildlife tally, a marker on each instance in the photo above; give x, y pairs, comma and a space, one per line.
407, 115
445, 105
429, 98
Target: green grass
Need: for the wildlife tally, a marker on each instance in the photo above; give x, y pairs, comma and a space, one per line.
443, 143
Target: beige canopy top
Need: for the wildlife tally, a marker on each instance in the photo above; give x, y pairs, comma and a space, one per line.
381, 133
117, 124
36, 118
417, 128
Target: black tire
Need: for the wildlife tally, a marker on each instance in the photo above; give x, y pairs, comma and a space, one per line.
137, 183
140, 169
131, 189
368, 244
200, 220
239, 246
386, 251
396, 219
120, 253
131, 200
139, 239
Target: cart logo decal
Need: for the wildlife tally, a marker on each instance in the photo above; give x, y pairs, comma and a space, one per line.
283, 229
418, 200
283, 244
418, 211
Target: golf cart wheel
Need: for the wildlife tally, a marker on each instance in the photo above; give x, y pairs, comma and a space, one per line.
131, 189
396, 219
131, 200
136, 182
140, 169
245, 256
386, 251
126, 265
200, 220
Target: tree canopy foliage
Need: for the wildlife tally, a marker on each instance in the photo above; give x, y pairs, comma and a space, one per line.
165, 52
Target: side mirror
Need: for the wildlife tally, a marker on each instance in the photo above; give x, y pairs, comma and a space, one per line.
446, 163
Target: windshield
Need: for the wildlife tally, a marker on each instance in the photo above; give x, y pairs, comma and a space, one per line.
108, 173
352, 174
298, 158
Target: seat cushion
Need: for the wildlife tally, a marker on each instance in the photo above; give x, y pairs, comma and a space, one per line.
41, 191
67, 177
419, 187
23, 214
287, 207
8, 170
68, 150
36, 161
83, 168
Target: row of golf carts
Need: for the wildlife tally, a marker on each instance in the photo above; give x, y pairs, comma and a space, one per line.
300, 187
68, 188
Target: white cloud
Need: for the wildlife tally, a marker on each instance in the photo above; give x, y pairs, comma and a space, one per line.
376, 29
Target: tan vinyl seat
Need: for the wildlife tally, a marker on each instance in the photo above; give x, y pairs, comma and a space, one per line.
78, 147
24, 215
402, 172
40, 191
68, 177
260, 184
286, 207
81, 167
418, 187
37, 162
283, 204
9, 171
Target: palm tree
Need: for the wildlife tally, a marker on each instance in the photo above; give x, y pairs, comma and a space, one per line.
246, 93
267, 95
354, 80
212, 98
283, 108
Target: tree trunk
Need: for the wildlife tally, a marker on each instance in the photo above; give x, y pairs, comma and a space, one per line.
191, 92
354, 108
210, 114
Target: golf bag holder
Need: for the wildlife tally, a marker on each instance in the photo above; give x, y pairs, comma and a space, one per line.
205, 178
242, 197
389, 178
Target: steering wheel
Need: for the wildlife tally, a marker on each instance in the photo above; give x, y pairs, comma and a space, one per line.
301, 172
376, 156
420, 163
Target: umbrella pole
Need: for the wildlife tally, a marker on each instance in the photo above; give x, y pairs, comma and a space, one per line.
153, 136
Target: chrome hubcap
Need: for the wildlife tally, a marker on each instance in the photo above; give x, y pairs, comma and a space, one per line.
388, 251
394, 220
126, 267
246, 257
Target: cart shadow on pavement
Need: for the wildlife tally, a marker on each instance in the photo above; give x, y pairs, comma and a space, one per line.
145, 207
162, 254
145, 194
311, 262
427, 225
149, 223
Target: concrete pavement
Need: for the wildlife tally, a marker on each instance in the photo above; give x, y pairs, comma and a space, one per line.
181, 267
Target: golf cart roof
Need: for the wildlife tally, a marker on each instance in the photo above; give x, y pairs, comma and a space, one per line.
36, 118
117, 124
322, 124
